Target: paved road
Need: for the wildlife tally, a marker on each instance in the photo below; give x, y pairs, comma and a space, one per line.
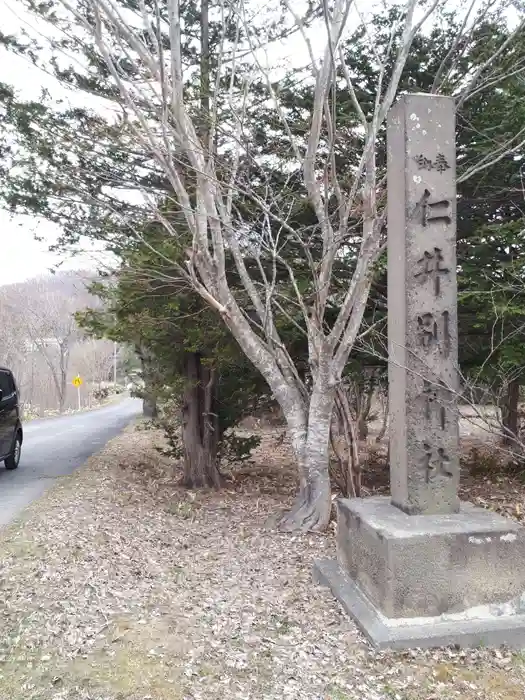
57, 446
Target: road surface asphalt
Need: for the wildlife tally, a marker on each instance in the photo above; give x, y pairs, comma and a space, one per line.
55, 447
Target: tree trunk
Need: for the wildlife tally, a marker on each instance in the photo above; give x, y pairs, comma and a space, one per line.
312, 507
362, 428
61, 399
349, 477
384, 424
63, 388
200, 428
63, 365
364, 405
149, 395
354, 474
509, 413
149, 406
205, 71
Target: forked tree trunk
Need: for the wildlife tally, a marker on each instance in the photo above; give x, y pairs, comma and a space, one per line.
200, 427
312, 507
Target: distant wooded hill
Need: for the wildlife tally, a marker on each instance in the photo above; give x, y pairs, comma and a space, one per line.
43, 345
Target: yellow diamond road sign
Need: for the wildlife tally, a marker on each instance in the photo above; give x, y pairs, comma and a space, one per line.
77, 381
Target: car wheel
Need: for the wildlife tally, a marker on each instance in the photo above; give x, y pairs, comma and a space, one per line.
13, 460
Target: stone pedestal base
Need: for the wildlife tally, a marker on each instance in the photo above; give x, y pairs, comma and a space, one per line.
429, 580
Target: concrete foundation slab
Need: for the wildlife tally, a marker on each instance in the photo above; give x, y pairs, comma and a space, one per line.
474, 628
428, 565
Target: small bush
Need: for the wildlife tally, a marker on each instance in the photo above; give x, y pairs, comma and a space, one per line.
480, 462
235, 449
169, 421
146, 424
101, 393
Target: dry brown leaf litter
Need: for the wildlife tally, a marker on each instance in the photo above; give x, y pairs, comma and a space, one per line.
118, 585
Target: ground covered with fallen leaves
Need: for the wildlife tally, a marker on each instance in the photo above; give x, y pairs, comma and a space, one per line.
119, 585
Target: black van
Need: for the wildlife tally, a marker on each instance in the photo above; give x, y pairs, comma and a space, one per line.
11, 434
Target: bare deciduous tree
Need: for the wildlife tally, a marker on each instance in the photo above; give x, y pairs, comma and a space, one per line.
52, 330
208, 182
40, 338
93, 360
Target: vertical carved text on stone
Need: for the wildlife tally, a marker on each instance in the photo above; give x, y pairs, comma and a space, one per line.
422, 297
431, 268
446, 333
435, 212
433, 395
436, 462
424, 163
427, 330
441, 163
434, 331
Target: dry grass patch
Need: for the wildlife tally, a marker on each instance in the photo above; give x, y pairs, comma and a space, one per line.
118, 585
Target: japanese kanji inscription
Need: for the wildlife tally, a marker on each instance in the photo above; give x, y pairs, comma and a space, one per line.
432, 268
422, 305
434, 397
440, 163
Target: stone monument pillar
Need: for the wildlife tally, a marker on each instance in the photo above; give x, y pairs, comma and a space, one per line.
421, 568
422, 317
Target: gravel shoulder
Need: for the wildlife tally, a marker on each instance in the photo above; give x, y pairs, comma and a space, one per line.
119, 585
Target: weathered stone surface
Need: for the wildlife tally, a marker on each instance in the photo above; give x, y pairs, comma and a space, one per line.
422, 565
422, 294
482, 629
411, 569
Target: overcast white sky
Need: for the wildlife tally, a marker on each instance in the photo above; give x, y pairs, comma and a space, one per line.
24, 257
21, 254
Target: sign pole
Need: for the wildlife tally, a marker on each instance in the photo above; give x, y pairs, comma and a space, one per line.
77, 382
